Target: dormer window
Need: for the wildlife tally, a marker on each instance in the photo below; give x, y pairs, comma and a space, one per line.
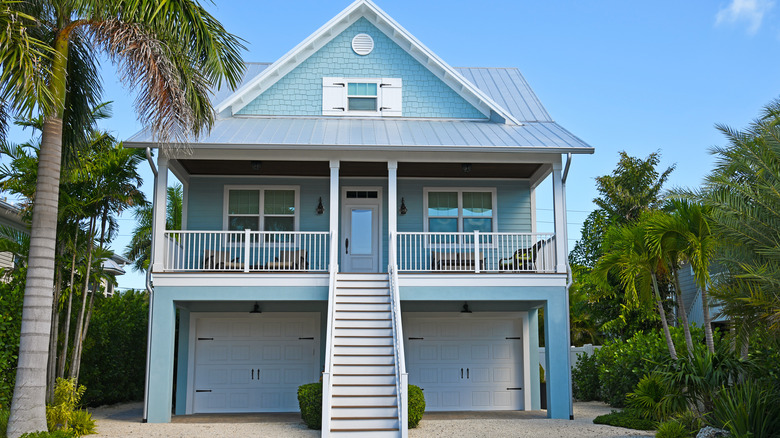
367, 97
361, 96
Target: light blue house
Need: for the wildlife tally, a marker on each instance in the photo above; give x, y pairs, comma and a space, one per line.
364, 214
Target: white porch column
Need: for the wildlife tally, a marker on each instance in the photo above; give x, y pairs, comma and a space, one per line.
392, 206
559, 211
334, 214
159, 211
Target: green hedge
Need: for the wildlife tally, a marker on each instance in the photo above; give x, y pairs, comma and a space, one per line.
585, 378
11, 298
114, 357
627, 419
310, 403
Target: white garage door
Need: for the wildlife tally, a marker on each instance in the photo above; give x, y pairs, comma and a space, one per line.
252, 362
466, 362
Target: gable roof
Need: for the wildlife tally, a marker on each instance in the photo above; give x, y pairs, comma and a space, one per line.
250, 90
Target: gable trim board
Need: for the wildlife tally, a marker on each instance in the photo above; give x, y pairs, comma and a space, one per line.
366, 9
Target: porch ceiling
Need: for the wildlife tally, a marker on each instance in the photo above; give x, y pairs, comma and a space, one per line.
355, 168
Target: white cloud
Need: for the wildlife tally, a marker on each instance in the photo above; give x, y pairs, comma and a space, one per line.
751, 12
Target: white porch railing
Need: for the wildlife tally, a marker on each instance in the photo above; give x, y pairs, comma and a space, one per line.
402, 380
476, 252
247, 251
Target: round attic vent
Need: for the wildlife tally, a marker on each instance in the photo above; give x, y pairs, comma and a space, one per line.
362, 44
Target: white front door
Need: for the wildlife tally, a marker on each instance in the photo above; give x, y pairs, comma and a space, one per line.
361, 222
466, 362
252, 362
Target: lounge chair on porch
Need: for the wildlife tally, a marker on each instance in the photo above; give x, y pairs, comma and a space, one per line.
522, 260
454, 261
219, 261
289, 261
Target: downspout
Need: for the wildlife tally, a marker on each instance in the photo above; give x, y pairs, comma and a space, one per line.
149, 288
569, 279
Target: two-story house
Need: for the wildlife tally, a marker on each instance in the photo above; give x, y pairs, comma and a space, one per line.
363, 213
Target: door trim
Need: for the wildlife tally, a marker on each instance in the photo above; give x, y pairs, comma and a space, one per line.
344, 203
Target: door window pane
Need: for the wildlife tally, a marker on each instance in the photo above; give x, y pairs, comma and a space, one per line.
360, 241
479, 204
244, 202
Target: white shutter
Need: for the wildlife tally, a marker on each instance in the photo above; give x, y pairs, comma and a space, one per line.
390, 101
334, 97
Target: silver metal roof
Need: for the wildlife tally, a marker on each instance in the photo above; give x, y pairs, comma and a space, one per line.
508, 88
341, 131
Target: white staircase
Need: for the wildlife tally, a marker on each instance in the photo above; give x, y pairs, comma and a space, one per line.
364, 378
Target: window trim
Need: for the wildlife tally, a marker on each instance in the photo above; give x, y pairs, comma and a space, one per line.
460, 191
261, 206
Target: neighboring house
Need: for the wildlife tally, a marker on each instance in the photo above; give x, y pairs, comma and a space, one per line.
363, 213
11, 216
691, 293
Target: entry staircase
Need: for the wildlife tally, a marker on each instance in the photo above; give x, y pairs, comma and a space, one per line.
362, 390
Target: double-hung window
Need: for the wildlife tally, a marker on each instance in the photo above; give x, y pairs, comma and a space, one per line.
460, 210
362, 97
269, 208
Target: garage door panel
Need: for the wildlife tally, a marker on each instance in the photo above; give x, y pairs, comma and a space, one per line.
237, 369
472, 367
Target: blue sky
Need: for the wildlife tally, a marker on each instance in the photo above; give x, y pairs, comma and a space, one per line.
633, 76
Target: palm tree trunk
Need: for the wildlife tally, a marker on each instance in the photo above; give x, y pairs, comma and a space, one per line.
85, 290
662, 313
28, 406
705, 304
64, 351
681, 311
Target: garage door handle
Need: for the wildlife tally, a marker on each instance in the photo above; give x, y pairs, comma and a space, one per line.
253, 374
467, 373
461, 373
258, 374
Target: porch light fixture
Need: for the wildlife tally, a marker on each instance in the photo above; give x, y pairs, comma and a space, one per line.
465, 308
403, 209
256, 165
466, 167
320, 208
256, 309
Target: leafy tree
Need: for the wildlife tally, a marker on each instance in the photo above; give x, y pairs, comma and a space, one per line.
172, 52
140, 246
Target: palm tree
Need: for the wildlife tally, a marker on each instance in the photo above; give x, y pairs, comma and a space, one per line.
171, 52
636, 266
743, 192
140, 246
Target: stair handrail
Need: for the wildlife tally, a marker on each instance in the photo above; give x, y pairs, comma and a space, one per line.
402, 383
327, 387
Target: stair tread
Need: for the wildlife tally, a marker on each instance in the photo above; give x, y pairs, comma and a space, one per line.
369, 311
361, 336
363, 328
363, 355
364, 384
362, 302
364, 430
364, 364
364, 407
363, 418
361, 345
363, 319
362, 375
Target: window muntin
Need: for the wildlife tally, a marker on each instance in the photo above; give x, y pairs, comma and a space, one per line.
465, 210
279, 208
362, 96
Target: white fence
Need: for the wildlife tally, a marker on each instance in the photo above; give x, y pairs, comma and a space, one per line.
247, 251
574, 353
476, 252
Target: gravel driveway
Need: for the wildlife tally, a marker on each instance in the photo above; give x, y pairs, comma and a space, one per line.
124, 420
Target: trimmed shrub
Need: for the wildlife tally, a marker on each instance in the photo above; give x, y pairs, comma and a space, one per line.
310, 403
672, 429
585, 378
748, 409
81, 423
114, 357
62, 415
627, 418
416, 406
